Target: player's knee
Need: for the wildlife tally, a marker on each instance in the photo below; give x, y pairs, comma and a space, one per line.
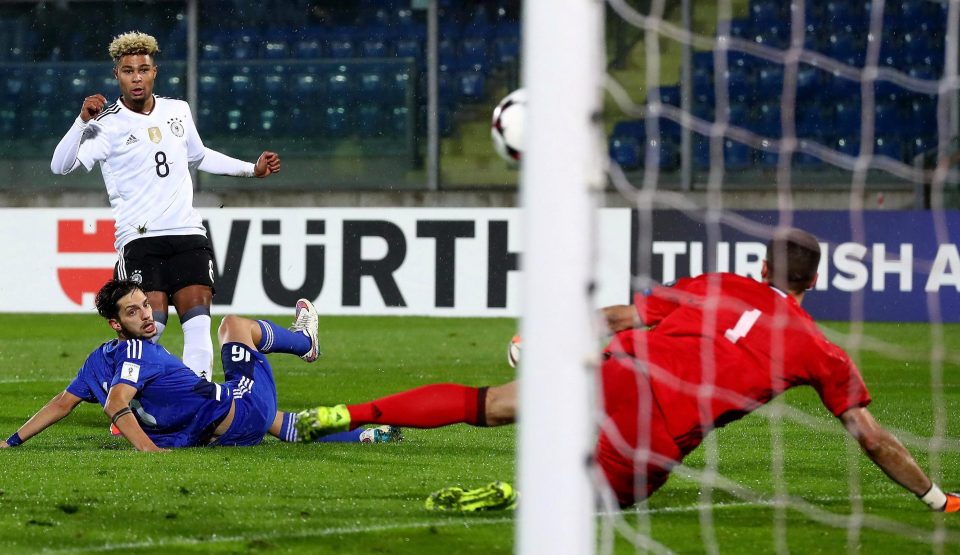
229, 326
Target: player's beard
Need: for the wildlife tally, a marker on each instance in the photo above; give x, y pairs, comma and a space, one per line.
138, 332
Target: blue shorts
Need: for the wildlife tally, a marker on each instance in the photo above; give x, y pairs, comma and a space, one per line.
249, 380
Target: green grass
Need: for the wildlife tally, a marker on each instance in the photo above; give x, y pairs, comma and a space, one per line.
75, 489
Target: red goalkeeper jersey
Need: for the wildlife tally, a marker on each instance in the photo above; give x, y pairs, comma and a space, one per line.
722, 345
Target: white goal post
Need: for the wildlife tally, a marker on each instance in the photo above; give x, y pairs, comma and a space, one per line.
563, 165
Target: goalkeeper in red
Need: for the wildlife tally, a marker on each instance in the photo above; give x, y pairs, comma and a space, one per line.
685, 359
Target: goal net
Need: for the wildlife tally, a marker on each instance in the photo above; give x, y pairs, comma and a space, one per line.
836, 117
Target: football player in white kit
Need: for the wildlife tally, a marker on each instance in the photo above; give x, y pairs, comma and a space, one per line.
146, 146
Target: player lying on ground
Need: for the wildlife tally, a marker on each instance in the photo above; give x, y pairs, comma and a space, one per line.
157, 402
146, 145
758, 343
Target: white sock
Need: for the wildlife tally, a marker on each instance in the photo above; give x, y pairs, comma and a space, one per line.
198, 347
160, 328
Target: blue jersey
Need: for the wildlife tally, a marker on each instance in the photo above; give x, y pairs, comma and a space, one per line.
175, 407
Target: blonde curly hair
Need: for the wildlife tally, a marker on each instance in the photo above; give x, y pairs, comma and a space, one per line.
133, 42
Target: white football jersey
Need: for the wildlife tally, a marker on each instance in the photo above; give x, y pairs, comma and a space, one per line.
145, 160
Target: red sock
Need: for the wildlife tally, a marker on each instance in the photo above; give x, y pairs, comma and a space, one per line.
429, 406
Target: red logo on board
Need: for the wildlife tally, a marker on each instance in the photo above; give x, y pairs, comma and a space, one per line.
73, 238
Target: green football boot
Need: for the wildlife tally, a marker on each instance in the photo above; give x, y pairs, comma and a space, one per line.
495, 496
321, 421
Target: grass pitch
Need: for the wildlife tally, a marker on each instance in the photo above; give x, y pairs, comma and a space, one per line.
76, 489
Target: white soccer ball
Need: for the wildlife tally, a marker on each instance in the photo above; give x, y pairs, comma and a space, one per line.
506, 128
513, 351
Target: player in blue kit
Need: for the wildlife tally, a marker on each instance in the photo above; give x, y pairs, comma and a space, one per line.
157, 402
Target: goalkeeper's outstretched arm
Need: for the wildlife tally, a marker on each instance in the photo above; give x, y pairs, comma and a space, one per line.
886, 451
51, 413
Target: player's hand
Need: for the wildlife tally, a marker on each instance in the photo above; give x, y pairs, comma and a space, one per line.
92, 105
268, 163
953, 503
4, 445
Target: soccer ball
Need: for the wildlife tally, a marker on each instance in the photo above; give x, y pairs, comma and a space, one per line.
513, 351
506, 128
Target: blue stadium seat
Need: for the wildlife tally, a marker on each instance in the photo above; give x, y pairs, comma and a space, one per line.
273, 86
242, 87
917, 145
9, 121
408, 48
887, 117
765, 12
766, 160
172, 85
269, 123
340, 48
770, 81
741, 82
471, 86
275, 50
625, 151
209, 85
337, 121
399, 82
766, 119
670, 95
370, 121
776, 35
211, 51
810, 121
921, 115
308, 49
16, 83
736, 156
40, 122
849, 145
738, 115
889, 145
703, 61
236, 122
307, 87
809, 81
399, 122
804, 161
473, 54
741, 28
635, 128
46, 86
847, 117
372, 82
506, 50
373, 48
447, 55
339, 84
701, 152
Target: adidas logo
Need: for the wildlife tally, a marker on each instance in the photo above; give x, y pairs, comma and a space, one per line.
131, 139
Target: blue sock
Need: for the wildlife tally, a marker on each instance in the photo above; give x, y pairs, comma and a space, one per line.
288, 432
275, 339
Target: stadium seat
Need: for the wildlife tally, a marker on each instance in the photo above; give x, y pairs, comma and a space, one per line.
471, 86
765, 159
399, 123
373, 48
40, 122
770, 81
211, 51
336, 122
209, 85
847, 117
447, 55
625, 151
887, 117
399, 82
804, 161
241, 86
776, 35
736, 156
473, 54
670, 95
741, 83
915, 146
765, 12
635, 128
339, 84
921, 115
408, 48
889, 145
741, 28
701, 152
269, 123
766, 119
340, 48
9, 121
16, 83
306, 88
810, 121
173, 85
308, 49
273, 87
849, 145
506, 50
370, 121
46, 86
275, 50
809, 81
372, 83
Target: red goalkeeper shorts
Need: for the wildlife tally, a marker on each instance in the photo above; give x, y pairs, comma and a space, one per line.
634, 449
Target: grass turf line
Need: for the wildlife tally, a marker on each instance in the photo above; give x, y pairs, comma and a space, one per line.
76, 489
